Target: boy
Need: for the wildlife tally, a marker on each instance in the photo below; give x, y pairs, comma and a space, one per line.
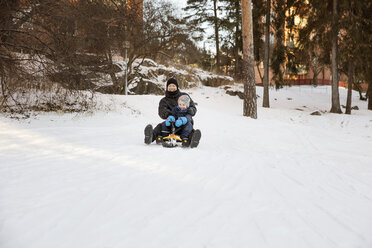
181, 118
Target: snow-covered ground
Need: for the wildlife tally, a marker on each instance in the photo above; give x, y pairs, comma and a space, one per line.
285, 180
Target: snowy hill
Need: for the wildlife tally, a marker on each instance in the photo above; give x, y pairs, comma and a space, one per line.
287, 179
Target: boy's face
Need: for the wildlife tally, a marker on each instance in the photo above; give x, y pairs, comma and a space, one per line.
182, 105
172, 87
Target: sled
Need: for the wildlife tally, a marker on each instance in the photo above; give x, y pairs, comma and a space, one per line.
172, 140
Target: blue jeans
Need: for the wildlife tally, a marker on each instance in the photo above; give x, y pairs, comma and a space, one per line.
184, 131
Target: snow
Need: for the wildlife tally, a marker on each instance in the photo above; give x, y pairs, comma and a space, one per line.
287, 179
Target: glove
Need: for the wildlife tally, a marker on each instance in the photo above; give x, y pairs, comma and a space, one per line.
180, 121
184, 120
169, 120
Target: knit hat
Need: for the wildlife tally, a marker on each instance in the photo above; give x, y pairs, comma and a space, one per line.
185, 99
172, 81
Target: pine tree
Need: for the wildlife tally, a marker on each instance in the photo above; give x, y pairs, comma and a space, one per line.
231, 25
346, 33
319, 40
250, 101
266, 101
279, 50
206, 11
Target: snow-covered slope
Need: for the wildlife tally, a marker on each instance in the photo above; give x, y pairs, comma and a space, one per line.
287, 179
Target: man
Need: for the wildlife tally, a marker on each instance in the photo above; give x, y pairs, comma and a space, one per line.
166, 105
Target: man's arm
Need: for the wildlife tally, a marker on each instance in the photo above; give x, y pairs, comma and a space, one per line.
192, 109
164, 111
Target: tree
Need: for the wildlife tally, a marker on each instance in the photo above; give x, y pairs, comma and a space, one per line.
206, 11
319, 41
366, 47
39, 52
336, 108
74, 42
231, 24
266, 101
349, 87
279, 50
355, 45
250, 101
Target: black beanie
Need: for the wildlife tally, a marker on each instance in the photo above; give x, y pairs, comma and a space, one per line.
172, 81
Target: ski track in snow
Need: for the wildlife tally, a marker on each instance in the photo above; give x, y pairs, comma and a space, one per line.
285, 180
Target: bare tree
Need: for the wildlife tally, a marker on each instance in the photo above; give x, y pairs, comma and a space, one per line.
250, 101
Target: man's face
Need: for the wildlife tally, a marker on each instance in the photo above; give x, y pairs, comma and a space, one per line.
172, 87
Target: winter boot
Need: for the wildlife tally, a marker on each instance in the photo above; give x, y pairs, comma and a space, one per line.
148, 134
194, 142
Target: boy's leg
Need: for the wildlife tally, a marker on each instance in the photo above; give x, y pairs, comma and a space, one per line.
186, 130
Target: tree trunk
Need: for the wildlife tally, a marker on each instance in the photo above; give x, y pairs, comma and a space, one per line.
259, 71
216, 34
3, 93
236, 49
336, 108
250, 101
266, 99
369, 95
2, 80
315, 79
350, 81
115, 81
315, 76
361, 97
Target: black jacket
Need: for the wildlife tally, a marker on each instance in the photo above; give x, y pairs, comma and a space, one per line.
168, 102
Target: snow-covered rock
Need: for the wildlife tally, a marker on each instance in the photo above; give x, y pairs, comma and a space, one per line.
149, 77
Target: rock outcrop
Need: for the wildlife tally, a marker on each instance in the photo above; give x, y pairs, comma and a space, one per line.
149, 77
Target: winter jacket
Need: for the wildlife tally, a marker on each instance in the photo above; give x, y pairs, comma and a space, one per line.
177, 113
168, 102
